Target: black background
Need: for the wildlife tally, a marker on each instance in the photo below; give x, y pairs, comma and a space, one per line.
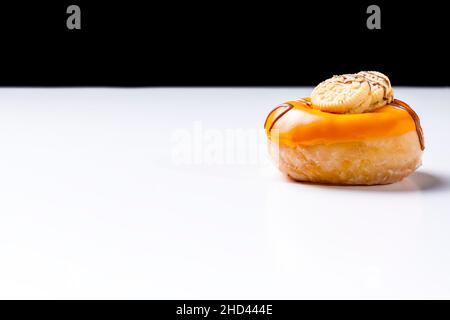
190, 43
282, 309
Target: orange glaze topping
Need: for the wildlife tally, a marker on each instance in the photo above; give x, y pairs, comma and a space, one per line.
299, 124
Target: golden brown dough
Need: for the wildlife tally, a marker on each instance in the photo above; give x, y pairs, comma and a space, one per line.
371, 162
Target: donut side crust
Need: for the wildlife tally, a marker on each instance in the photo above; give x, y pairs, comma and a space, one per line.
368, 162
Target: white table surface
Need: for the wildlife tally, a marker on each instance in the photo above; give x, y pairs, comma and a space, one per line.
96, 204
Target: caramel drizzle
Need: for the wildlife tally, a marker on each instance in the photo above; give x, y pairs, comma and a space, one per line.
374, 80
348, 78
396, 103
370, 77
404, 106
305, 101
289, 106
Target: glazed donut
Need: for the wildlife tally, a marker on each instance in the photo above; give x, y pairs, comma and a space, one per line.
377, 147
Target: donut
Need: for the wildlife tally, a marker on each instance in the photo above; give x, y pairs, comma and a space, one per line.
380, 146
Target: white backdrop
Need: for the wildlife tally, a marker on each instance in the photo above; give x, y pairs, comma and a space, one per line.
151, 194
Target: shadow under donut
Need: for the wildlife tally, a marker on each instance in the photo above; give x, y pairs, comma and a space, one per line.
417, 181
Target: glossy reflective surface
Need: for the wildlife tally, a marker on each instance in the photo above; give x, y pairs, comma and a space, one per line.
96, 202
